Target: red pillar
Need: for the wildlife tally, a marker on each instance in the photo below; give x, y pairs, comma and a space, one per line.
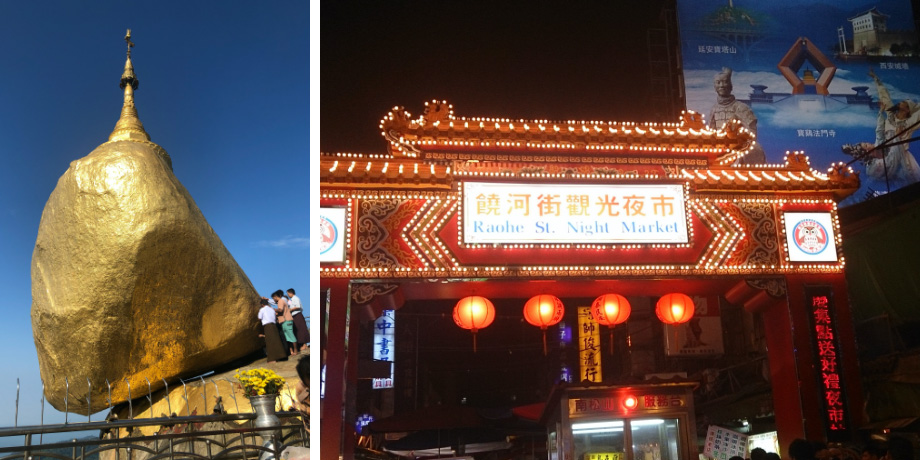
781, 354
805, 359
794, 368
849, 357
333, 405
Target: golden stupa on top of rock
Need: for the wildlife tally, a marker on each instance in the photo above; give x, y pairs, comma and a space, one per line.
130, 284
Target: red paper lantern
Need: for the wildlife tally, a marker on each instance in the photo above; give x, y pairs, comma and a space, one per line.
474, 313
543, 311
610, 310
674, 308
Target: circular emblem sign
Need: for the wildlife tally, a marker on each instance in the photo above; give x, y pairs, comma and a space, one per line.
328, 235
810, 236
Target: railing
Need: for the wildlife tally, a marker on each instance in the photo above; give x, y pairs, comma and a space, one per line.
218, 436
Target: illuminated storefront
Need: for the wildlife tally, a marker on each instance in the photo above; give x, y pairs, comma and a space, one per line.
524, 208
599, 422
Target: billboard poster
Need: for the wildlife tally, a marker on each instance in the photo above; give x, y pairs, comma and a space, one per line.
701, 336
831, 79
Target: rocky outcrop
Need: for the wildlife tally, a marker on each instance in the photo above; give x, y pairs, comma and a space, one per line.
130, 283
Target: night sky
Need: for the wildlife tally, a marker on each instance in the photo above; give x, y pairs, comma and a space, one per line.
530, 60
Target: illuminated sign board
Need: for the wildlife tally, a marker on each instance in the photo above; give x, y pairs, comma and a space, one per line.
573, 213
589, 338
616, 404
810, 237
332, 235
827, 349
768, 441
384, 341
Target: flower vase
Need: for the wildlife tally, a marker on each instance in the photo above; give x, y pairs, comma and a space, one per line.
264, 407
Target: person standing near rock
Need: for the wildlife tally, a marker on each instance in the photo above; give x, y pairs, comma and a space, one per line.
274, 350
287, 320
301, 330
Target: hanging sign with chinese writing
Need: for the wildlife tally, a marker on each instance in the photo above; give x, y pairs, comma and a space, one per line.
830, 371
574, 213
384, 333
589, 339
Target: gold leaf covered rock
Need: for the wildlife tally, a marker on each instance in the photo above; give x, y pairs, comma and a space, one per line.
129, 282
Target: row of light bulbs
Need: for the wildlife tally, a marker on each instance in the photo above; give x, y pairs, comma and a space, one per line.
550, 270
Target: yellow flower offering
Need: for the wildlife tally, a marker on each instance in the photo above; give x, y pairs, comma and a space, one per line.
260, 381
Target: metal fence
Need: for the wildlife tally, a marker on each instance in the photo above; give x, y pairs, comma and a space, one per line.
214, 436
218, 436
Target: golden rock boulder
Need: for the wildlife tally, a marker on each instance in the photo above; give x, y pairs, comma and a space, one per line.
130, 284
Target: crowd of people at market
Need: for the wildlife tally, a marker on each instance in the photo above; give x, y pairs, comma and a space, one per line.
283, 325
896, 448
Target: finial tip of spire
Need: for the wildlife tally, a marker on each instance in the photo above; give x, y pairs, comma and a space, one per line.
129, 42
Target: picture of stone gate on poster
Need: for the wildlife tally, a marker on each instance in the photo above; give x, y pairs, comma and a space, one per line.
832, 79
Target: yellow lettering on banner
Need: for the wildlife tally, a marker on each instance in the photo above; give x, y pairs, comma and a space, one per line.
577, 205
549, 205
664, 204
633, 205
604, 456
487, 204
519, 202
607, 204
589, 338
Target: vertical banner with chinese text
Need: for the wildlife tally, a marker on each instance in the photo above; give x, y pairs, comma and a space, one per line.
589, 345
822, 314
384, 333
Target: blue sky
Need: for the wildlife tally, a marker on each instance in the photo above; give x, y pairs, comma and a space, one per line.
223, 88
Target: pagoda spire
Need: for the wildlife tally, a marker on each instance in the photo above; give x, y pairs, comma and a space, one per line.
129, 127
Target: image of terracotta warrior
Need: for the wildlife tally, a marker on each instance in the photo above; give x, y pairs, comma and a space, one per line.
728, 108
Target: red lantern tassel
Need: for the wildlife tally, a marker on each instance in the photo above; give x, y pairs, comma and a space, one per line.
675, 336
611, 340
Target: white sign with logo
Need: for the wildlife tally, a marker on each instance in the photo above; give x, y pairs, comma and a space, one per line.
810, 237
332, 235
574, 213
